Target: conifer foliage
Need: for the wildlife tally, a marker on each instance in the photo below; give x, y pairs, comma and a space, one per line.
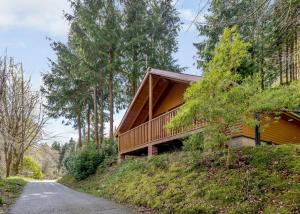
110, 45
272, 27
224, 98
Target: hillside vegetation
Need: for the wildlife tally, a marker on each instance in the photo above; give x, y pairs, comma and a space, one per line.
258, 180
10, 189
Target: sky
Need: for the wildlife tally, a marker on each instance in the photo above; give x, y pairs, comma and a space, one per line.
25, 26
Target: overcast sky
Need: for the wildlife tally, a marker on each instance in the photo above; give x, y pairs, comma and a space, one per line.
25, 25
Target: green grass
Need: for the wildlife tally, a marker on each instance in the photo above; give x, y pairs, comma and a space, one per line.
10, 189
257, 180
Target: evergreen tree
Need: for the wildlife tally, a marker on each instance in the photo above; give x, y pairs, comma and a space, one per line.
61, 84
259, 22
164, 25
110, 45
224, 98
149, 38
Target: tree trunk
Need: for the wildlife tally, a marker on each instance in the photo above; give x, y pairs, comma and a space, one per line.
7, 169
96, 132
111, 98
262, 73
292, 61
101, 122
280, 63
287, 62
134, 73
101, 104
8, 160
16, 167
2, 78
133, 87
88, 121
296, 57
79, 129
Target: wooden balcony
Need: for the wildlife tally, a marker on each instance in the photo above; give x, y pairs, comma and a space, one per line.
154, 132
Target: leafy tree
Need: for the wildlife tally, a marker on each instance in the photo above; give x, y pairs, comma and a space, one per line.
22, 116
63, 151
218, 98
268, 25
32, 168
56, 146
285, 37
224, 98
224, 14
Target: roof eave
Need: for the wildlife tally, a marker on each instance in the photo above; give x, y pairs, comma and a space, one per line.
187, 79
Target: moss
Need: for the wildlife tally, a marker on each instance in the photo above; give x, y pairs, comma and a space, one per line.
263, 179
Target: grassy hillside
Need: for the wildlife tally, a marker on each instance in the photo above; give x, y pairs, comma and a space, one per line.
10, 189
257, 180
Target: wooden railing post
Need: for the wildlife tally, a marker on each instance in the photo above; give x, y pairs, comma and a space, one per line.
153, 131
150, 107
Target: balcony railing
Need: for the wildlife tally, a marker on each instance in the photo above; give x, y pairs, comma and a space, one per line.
154, 131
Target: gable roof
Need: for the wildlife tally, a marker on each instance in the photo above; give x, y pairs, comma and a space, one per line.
177, 77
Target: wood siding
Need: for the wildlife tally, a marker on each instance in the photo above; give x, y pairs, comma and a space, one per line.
173, 99
282, 131
162, 85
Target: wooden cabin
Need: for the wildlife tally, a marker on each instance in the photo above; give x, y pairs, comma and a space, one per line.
160, 94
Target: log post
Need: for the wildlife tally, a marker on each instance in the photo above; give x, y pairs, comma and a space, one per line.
150, 106
257, 129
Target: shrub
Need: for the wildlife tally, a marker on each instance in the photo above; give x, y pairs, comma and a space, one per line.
194, 142
84, 162
31, 168
109, 148
1, 201
263, 180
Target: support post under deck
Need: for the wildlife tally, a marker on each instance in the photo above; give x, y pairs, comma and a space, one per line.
121, 157
152, 150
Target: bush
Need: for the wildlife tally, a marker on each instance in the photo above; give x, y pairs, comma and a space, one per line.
264, 180
194, 142
31, 168
1, 201
85, 161
109, 148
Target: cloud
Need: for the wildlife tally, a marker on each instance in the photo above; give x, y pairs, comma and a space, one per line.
187, 14
13, 44
189, 17
43, 15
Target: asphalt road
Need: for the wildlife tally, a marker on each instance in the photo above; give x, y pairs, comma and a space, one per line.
49, 197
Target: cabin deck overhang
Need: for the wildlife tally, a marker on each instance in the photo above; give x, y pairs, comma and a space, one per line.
154, 132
